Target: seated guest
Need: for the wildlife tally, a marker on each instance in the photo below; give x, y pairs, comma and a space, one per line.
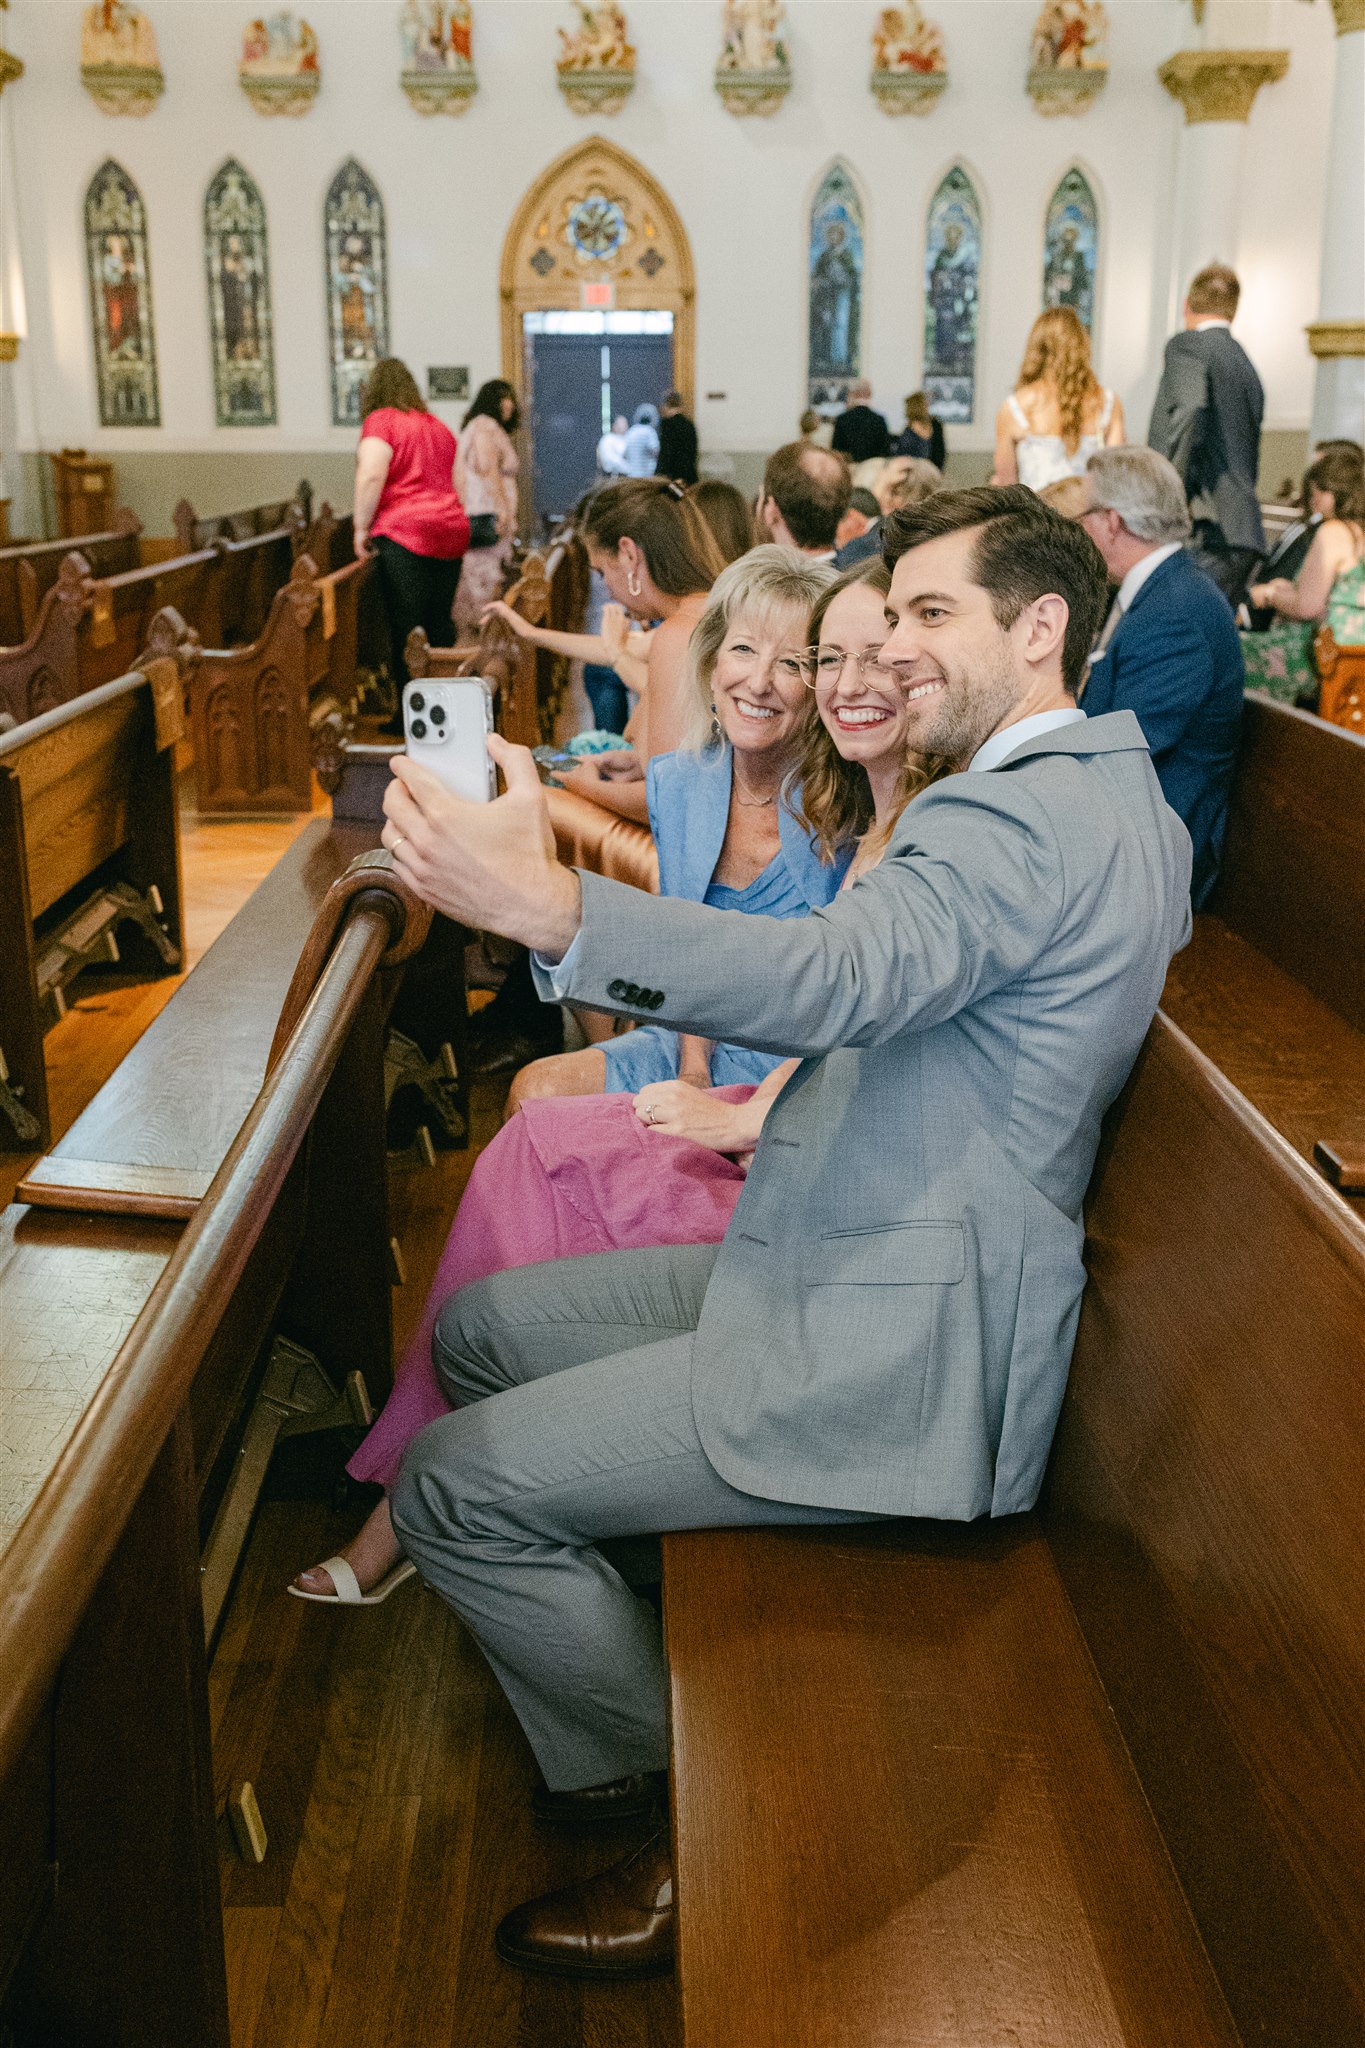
806, 492
1169, 649
863, 513
817, 429
1069, 496
859, 432
1328, 590
677, 442
1290, 551
905, 480
922, 435
728, 513
722, 836
658, 559
615, 1173
886, 1327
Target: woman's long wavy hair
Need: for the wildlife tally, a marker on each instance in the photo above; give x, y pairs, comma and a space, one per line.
1058, 353
678, 546
831, 796
391, 384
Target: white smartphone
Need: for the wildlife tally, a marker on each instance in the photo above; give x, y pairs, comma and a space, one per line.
446, 725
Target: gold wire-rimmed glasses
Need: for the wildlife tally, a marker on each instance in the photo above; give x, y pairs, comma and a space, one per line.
825, 665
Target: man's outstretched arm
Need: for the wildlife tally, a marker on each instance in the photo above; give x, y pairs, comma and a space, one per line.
968, 895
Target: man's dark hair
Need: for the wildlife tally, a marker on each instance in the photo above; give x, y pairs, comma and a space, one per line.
1214, 292
1023, 551
811, 488
672, 401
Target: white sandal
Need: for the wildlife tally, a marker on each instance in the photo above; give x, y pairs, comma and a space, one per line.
348, 1593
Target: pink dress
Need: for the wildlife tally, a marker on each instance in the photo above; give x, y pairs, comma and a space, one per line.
564, 1178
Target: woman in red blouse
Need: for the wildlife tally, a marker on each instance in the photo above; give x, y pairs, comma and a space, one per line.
407, 511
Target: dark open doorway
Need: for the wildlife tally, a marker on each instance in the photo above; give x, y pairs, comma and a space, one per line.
582, 370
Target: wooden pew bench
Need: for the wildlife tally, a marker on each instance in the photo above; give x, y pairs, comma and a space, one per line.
89, 844
28, 572
1272, 987
124, 1414
192, 532
1091, 1777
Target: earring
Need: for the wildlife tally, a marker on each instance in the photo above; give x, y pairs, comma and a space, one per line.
717, 729
632, 583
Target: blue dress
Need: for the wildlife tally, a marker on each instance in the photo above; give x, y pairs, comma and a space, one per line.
689, 807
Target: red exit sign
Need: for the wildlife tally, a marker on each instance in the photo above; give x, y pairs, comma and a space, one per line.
598, 297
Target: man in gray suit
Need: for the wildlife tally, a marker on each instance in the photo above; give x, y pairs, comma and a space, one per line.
887, 1327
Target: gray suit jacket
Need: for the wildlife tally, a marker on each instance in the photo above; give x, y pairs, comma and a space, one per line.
890, 1320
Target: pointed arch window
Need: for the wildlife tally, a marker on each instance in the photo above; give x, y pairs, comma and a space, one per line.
952, 279
121, 300
1071, 247
357, 287
835, 288
240, 326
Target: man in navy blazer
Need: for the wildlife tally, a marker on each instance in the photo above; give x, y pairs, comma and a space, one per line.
1169, 650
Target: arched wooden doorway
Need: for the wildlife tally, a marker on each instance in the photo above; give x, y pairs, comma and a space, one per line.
597, 234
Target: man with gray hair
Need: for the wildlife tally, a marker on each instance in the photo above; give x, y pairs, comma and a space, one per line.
1169, 650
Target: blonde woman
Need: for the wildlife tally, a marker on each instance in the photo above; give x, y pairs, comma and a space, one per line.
1059, 414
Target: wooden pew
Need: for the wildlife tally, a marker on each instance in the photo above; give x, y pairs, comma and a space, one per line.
250, 573
129, 1434
89, 835
1272, 986
44, 670
253, 708
28, 572
1341, 673
1088, 1778
193, 533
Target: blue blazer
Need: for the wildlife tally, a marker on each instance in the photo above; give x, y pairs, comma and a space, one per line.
1175, 661
689, 805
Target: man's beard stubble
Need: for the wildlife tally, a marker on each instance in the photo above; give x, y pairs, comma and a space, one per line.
967, 713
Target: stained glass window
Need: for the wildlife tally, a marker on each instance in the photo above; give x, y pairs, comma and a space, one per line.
121, 300
357, 287
835, 289
1071, 248
952, 273
238, 260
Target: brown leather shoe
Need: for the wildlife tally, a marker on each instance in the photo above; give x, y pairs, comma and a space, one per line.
597, 1806
617, 1925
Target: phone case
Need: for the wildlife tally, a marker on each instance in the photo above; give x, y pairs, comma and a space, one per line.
446, 725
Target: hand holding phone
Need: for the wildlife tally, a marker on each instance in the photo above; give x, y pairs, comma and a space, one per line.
446, 725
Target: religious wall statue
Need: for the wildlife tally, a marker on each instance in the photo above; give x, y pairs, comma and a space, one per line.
835, 292
754, 72
1071, 248
1069, 63
120, 67
952, 272
909, 67
597, 59
238, 263
357, 287
280, 72
121, 300
438, 55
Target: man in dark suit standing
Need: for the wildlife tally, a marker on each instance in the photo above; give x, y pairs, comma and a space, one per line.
1169, 650
860, 433
677, 442
1207, 422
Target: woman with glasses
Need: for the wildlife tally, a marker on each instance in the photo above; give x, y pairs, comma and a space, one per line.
666, 1165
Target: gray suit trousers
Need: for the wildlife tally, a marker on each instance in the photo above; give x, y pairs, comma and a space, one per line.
575, 1427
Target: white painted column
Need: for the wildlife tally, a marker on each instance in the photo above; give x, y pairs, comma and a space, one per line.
13, 318
1216, 88
1337, 336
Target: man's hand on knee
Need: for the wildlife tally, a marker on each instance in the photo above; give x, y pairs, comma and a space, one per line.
491, 866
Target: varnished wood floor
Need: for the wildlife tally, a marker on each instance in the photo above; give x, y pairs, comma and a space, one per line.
392, 1777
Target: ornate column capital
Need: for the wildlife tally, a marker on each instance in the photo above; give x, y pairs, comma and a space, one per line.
10, 66
1220, 85
1350, 16
1329, 338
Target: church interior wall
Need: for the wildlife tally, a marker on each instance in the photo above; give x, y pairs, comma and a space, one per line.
742, 186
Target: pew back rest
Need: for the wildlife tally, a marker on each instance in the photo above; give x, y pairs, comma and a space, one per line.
75, 768
1293, 874
29, 570
1203, 1505
42, 671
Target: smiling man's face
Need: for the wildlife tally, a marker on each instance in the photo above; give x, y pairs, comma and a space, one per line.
961, 671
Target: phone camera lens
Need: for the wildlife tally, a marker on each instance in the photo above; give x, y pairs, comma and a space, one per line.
417, 701
438, 714
419, 728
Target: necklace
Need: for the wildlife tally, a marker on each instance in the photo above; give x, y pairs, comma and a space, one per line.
753, 803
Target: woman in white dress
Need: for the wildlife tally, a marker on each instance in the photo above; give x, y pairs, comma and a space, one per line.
1059, 414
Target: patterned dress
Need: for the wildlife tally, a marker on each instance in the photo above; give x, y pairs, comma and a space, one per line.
1280, 660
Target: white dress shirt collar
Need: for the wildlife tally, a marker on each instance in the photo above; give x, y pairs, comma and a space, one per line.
1001, 744
1140, 571
1200, 325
